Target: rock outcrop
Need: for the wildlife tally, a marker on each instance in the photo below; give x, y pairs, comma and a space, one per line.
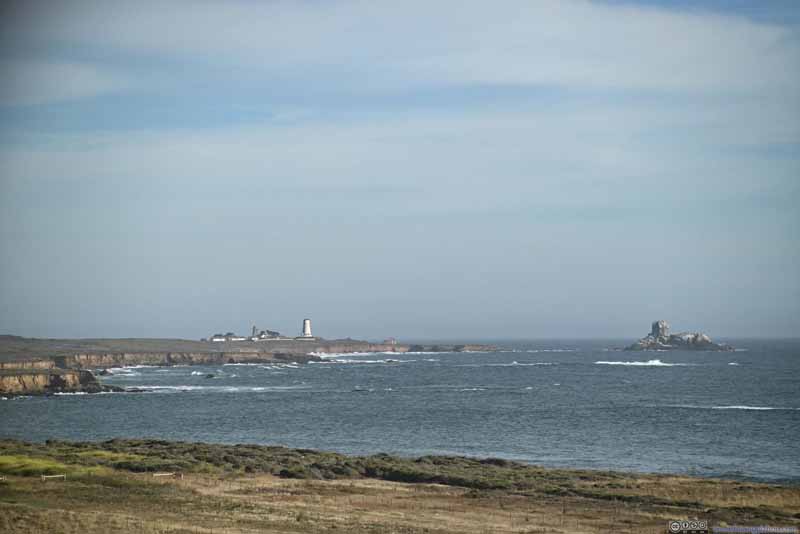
43, 382
659, 338
30, 366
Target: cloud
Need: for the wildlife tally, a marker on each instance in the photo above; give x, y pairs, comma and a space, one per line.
369, 46
565, 155
40, 82
550, 156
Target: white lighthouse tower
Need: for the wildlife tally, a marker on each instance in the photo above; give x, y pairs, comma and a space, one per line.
307, 328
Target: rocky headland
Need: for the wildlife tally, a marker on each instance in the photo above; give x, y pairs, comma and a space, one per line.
659, 338
33, 366
50, 381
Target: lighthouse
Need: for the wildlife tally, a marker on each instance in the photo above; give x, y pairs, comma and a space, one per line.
307, 328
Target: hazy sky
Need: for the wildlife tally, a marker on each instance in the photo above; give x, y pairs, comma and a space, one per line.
448, 169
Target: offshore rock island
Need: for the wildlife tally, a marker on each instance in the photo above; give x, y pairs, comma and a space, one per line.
34, 366
659, 338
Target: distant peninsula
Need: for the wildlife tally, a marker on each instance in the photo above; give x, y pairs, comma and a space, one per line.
659, 338
35, 366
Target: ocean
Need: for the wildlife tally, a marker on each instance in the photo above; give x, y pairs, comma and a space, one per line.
581, 404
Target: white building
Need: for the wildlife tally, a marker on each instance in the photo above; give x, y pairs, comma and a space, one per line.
307, 335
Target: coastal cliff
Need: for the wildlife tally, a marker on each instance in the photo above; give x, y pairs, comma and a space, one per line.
659, 338
39, 382
36, 366
122, 359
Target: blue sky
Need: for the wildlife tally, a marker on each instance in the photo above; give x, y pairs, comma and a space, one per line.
446, 170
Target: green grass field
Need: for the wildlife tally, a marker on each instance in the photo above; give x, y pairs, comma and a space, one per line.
110, 487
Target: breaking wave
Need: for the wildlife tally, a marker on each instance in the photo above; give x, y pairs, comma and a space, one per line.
219, 389
648, 363
731, 407
348, 360
332, 355
511, 364
279, 366
742, 407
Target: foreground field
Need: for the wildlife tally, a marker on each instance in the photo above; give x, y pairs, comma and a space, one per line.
110, 487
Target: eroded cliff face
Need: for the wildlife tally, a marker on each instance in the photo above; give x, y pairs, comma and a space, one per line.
301, 352
28, 364
296, 351
33, 382
104, 361
69, 372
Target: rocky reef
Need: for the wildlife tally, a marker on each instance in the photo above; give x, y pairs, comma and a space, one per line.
659, 338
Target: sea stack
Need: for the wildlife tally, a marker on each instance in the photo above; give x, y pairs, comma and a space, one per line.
659, 338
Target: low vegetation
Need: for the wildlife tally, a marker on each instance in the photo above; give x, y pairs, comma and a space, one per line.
249, 488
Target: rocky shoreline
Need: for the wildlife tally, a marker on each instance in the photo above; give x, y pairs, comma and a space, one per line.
28, 382
31, 366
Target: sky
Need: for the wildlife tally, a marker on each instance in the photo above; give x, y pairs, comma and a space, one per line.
425, 170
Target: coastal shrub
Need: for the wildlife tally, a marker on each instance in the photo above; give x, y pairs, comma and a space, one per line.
156, 455
497, 461
148, 465
26, 466
29, 466
344, 470
295, 472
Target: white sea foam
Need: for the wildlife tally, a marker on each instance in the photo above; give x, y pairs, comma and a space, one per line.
198, 373
731, 407
130, 370
649, 363
732, 363
551, 350
512, 364
347, 360
519, 364
60, 393
222, 389
333, 355
279, 366
123, 372
472, 389
742, 407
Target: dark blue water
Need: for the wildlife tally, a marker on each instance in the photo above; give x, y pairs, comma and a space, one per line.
733, 414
